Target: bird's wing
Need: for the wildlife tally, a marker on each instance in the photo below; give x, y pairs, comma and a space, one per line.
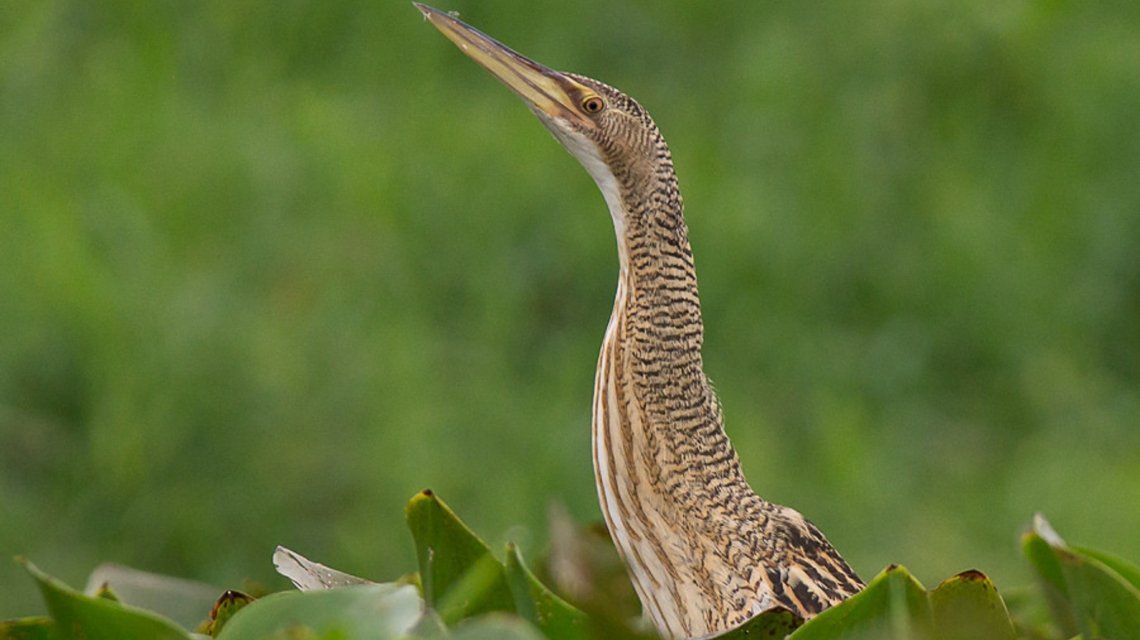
810, 575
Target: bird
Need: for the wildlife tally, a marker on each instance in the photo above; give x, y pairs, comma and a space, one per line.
704, 551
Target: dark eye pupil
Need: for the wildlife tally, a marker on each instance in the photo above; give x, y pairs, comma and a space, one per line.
593, 105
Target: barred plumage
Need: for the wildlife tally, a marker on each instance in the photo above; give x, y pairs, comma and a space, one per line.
704, 551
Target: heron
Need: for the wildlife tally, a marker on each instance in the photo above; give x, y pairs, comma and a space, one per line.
703, 550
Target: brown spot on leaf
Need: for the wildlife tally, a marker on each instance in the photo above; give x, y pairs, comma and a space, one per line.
973, 575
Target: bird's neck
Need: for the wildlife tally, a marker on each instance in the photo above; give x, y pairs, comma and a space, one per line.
657, 305
651, 391
669, 482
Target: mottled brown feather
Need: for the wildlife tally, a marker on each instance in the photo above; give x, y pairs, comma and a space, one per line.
705, 552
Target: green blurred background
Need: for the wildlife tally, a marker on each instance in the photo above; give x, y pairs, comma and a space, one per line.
267, 269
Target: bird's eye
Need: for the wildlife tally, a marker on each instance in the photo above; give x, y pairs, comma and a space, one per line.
593, 104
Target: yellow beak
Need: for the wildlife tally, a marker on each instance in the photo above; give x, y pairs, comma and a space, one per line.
545, 90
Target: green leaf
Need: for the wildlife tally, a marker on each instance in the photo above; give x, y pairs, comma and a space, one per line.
459, 575
82, 616
557, 619
1125, 569
1089, 591
892, 606
968, 607
186, 602
1106, 605
773, 623
1052, 580
496, 626
365, 612
33, 628
429, 627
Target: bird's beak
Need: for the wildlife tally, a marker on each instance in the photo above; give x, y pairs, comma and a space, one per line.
546, 91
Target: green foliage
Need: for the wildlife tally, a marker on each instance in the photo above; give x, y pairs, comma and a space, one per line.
31, 628
459, 575
98, 618
235, 236
366, 612
1098, 598
1088, 591
179, 600
536, 603
968, 607
774, 623
494, 627
893, 605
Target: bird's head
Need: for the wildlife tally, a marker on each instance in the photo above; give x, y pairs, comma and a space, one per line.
607, 131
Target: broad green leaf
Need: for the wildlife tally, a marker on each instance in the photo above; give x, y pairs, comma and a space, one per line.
365, 612
91, 618
1127, 570
1106, 605
557, 619
429, 627
1052, 580
186, 602
893, 606
773, 623
1089, 591
459, 575
968, 607
496, 626
476, 591
33, 628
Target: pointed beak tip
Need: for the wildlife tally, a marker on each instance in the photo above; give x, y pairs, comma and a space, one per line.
424, 9
543, 89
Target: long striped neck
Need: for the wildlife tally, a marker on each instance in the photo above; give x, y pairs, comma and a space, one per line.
658, 308
651, 354
669, 482
704, 552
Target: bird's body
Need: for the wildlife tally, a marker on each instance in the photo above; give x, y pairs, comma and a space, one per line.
704, 551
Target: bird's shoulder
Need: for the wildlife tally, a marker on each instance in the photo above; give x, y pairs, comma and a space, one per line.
808, 575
